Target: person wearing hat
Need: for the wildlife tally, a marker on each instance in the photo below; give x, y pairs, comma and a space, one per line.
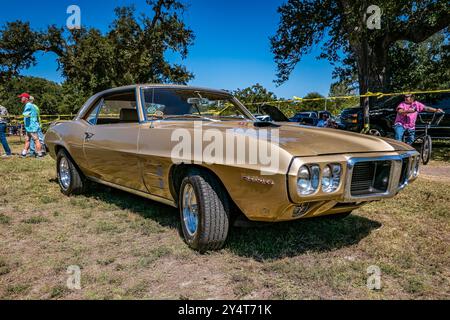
32, 126
407, 113
3, 124
32, 151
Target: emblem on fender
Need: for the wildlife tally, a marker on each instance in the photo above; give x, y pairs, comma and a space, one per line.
259, 180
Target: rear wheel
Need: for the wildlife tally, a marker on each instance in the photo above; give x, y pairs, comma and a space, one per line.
70, 178
427, 146
204, 212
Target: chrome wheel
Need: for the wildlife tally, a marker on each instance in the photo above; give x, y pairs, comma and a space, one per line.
190, 210
64, 173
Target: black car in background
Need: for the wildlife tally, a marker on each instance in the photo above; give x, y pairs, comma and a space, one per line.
383, 114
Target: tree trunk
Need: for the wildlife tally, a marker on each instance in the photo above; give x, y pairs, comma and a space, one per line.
372, 70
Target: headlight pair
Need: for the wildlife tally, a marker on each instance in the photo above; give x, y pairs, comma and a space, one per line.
310, 178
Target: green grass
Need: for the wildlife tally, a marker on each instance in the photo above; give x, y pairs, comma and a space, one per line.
129, 248
35, 220
4, 219
441, 150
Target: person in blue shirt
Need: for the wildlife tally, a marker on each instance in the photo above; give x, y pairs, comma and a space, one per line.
323, 122
32, 125
40, 134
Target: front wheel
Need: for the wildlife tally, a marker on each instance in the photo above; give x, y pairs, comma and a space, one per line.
204, 212
427, 146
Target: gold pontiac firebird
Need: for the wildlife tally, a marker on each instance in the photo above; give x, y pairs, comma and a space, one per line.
129, 138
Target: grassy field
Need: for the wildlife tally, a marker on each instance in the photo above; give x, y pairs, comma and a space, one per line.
128, 247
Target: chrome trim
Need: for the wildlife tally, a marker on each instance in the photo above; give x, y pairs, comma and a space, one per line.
190, 210
65, 177
394, 176
136, 192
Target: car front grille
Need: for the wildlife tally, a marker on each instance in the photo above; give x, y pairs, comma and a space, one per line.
370, 177
405, 171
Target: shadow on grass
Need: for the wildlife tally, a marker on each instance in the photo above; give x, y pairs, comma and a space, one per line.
274, 241
441, 150
289, 239
165, 215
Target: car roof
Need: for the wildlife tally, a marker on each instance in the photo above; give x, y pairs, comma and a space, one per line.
161, 85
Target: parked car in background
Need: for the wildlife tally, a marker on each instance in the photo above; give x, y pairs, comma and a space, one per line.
310, 118
383, 114
124, 138
307, 118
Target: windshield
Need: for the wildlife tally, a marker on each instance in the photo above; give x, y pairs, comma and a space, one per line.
186, 104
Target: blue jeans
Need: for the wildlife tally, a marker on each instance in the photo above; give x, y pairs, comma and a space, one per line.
3, 138
400, 132
41, 140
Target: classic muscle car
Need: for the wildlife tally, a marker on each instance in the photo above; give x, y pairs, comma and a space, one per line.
129, 138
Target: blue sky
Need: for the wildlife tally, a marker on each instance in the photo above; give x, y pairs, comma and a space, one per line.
231, 49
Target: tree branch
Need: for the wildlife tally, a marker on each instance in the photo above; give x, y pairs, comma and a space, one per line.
418, 31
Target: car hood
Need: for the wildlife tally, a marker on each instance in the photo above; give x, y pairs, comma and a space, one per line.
311, 141
306, 141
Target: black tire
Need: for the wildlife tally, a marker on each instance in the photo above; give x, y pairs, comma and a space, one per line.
76, 183
213, 212
426, 150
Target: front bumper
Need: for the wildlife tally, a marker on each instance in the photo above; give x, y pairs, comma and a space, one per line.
348, 161
397, 182
320, 203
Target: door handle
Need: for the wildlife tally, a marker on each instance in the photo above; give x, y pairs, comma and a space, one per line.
88, 136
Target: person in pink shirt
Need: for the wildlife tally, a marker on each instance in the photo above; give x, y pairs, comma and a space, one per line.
407, 113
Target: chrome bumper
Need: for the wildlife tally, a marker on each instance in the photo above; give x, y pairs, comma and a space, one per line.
394, 184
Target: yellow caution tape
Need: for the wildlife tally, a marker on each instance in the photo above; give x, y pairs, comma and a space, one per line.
367, 95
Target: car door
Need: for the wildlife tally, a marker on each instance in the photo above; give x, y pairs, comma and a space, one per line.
155, 141
110, 142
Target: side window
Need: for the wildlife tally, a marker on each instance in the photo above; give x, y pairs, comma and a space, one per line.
115, 108
92, 117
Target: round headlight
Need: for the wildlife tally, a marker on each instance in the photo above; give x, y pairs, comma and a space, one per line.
308, 179
331, 178
326, 178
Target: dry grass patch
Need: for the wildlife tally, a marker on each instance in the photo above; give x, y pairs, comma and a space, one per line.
128, 247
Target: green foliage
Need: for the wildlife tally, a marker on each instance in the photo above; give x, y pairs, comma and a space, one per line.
46, 93
341, 28
131, 51
254, 94
313, 105
252, 97
421, 66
